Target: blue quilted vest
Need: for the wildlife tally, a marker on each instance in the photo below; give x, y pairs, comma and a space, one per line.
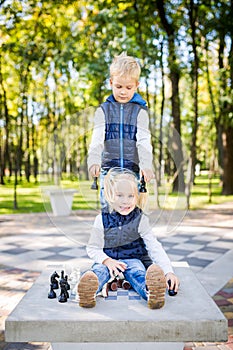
120, 133
121, 237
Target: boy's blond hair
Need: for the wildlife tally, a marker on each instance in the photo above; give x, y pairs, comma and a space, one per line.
117, 174
124, 65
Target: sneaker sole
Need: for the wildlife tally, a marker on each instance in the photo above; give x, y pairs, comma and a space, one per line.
87, 288
156, 284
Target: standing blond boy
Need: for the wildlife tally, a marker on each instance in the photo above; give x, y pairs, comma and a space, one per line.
121, 136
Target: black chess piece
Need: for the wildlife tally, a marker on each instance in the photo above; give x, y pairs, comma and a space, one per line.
62, 279
54, 281
113, 285
67, 283
64, 285
126, 285
122, 282
142, 188
95, 186
63, 295
171, 292
51, 294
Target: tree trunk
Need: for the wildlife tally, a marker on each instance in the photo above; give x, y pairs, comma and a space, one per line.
177, 152
228, 161
218, 141
193, 19
5, 154
222, 88
226, 110
28, 160
161, 160
16, 170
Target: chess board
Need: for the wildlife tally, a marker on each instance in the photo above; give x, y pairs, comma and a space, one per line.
121, 293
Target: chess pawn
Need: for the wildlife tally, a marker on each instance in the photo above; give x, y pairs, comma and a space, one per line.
51, 294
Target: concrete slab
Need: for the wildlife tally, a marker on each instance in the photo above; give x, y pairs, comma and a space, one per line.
117, 346
190, 316
220, 270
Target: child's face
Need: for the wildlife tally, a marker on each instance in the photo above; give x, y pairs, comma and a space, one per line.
123, 88
125, 198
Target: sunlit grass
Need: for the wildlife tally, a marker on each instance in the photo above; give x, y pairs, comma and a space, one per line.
206, 192
32, 197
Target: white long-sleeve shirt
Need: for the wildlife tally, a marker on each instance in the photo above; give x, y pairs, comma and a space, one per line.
143, 142
155, 250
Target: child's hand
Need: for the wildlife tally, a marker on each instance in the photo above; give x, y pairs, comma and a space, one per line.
94, 170
174, 281
115, 266
148, 174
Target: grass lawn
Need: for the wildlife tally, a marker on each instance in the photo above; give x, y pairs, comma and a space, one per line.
31, 197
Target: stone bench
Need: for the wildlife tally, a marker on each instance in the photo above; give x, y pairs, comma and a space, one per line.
191, 316
61, 199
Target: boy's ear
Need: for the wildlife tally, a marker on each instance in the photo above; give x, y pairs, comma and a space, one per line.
110, 80
137, 84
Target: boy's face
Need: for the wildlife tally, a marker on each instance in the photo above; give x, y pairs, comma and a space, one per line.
123, 88
125, 198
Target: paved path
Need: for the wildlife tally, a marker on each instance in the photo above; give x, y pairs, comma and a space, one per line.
29, 242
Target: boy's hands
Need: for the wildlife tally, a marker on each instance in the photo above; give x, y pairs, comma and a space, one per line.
148, 174
94, 170
174, 281
114, 266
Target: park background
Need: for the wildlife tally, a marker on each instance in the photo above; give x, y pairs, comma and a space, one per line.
54, 61
54, 72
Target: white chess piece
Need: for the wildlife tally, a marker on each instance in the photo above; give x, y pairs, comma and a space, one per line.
74, 279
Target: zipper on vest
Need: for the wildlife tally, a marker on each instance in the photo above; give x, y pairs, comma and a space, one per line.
121, 137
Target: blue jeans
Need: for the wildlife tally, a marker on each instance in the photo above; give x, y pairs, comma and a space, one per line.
135, 274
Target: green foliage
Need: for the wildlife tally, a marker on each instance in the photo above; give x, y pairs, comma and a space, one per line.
54, 66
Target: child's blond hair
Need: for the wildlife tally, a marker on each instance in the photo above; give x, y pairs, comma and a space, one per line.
124, 65
117, 174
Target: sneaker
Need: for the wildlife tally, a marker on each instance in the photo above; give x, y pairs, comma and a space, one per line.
156, 285
87, 288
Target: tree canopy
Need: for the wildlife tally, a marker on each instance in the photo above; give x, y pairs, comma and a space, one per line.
54, 70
